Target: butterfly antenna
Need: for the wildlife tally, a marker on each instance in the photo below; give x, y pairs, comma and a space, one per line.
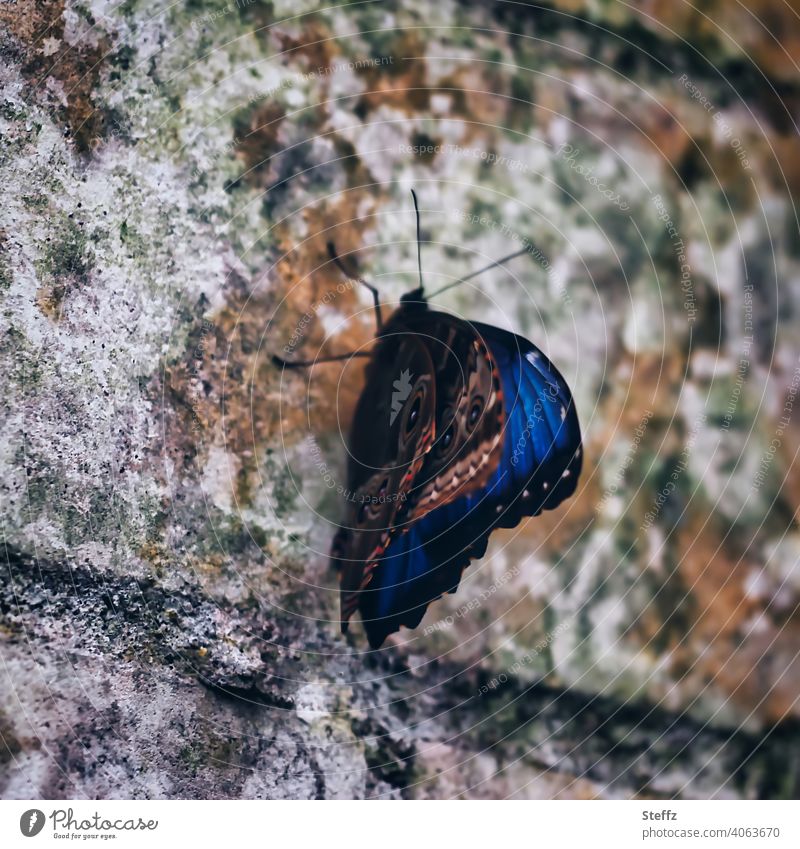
492, 264
419, 241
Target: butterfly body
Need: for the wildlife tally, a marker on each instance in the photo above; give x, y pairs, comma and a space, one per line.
461, 428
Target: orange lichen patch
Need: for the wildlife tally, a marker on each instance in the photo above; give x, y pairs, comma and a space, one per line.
554, 531
40, 25
580, 788
642, 385
257, 135
551, 102
645, 382
356, 171
768, 32
666, 134
728, 169
683, 19
789, 466
642, 399
32, 20
11, 745
49, 299
311, 282
400, 84
775, 43
732, 643
309, 279
156, 554
315, 45
226, 389
478, 94
781, 162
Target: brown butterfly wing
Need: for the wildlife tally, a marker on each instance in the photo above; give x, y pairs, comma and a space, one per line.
393, 429
470, 414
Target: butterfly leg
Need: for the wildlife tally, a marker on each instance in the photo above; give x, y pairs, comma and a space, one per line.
361, 280
281, 363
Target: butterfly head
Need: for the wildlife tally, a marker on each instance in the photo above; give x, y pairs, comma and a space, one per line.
415, 299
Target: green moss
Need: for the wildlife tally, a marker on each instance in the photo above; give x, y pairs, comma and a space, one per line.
27, 364
258, 535
5, 269
132, 240
673, 604
63, 264
389, 760
192, 757
494, 56
37, 201
729, 402
284, 487
481, 209
69, 253
791, 232
520, 112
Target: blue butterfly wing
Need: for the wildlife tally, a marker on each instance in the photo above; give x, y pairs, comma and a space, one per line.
539, 468
542, 453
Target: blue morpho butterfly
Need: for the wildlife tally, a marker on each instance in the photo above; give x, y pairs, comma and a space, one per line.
461, 428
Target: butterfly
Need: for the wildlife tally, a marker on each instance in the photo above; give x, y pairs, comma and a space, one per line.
461, 428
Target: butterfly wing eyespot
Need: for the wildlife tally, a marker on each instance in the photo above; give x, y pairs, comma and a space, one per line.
475, 413
413, 415
469, 415
445, 442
